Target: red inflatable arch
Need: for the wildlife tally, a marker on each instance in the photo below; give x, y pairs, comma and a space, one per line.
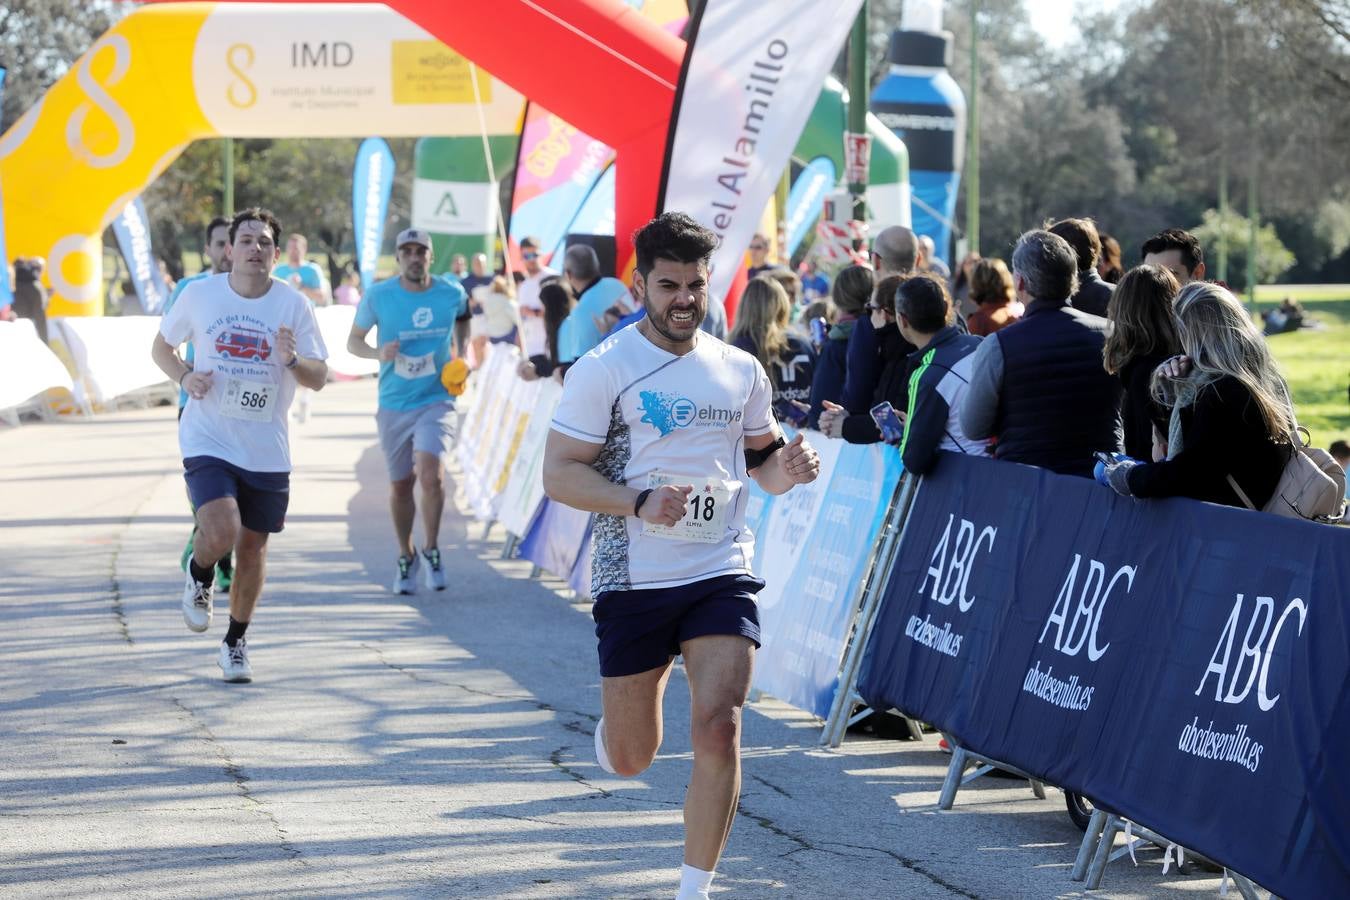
597, 64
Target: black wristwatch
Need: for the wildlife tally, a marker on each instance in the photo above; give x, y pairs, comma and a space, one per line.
641, 499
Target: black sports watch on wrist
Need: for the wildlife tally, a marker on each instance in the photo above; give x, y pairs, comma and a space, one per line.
641, 499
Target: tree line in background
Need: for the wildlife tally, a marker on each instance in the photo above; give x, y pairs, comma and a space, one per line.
1133, 122
307, 183
1130, 124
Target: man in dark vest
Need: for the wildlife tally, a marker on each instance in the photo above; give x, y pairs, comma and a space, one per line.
1038, 386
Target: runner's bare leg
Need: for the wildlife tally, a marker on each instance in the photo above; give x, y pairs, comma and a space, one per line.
217, 530
431, 474
403, 507
250, 568
719, 668
633, 727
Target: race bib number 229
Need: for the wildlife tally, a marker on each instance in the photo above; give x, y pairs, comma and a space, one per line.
414, 366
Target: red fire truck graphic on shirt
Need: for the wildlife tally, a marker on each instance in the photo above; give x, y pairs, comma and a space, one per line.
241, 342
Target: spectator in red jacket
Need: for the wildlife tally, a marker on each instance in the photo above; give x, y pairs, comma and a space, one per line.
991, 287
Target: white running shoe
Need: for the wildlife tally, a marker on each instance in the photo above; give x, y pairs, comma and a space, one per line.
405, 581
435, 575
197, 603
601, 754
233, 662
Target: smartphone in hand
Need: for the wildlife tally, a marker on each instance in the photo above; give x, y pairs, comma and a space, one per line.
820, 329
888, 422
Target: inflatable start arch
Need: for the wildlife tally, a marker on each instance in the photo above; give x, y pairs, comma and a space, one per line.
168, 75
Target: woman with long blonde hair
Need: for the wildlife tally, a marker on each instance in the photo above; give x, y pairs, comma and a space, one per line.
761, 329
1231, 416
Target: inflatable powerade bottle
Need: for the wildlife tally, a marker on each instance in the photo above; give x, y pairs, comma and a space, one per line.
923, 105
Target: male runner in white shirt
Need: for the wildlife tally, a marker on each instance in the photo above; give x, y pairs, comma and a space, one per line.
256, 340
658, 428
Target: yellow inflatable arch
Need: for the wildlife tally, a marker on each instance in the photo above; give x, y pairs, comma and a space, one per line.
168, 75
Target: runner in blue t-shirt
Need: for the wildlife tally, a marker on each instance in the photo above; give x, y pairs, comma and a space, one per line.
216, 252
417, 316
307, 278
301, 274
584, 325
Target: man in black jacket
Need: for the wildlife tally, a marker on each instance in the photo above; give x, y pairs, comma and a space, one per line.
1093, 292
1038, 385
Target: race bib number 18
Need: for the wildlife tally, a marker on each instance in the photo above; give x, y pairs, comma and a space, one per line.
705, 510
252, 401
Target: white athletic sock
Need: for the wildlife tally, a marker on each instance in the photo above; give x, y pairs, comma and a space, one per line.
601, 755
694, 883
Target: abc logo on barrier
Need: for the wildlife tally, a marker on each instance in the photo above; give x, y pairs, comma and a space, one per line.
1091, 603
951, 577
1254, 647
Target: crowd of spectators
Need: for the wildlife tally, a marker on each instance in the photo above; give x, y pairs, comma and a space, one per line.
1059, 360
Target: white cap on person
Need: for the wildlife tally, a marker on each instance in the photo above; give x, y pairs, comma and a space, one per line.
413, 236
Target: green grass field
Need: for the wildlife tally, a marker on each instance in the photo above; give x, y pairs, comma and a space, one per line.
1316, 362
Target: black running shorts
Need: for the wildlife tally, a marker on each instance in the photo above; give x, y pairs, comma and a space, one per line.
641, 630
262, 496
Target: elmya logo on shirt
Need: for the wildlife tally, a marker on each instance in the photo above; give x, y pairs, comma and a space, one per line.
421, 318
666, 412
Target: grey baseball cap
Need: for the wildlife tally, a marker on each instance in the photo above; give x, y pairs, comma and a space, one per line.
413, 236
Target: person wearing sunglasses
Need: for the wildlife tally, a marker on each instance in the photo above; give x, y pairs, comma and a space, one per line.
527, 295
759, 256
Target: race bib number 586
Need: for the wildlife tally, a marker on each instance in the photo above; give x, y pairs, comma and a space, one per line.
251, 401
705, 509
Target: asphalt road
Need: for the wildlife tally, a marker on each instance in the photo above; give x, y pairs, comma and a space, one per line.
434, 745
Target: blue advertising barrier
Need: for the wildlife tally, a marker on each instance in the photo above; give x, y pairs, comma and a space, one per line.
812, 547
1183, 664
132, 229
580, 579
372, 181
555, 540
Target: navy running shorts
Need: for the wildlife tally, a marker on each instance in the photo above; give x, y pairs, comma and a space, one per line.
262, 496
641, 630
